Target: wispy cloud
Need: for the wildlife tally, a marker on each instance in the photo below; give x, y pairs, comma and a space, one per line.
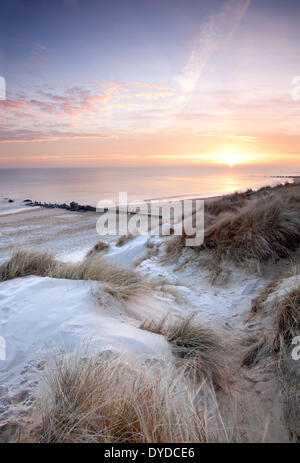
79, 105
149, 95
39, 46
213, 36
13, 104
246, 138
58, 137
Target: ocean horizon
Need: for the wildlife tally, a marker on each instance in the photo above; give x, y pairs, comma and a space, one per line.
88, 185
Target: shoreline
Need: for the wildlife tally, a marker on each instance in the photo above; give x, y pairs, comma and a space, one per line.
77, 307
73, 206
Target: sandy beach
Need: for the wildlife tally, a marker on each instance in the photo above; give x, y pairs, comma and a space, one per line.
40, 313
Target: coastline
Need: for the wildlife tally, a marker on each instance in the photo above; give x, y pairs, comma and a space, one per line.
76, 207
220, 295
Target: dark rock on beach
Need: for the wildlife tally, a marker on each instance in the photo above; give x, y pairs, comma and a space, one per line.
73, 206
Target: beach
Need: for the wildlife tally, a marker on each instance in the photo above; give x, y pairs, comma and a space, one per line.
41, 313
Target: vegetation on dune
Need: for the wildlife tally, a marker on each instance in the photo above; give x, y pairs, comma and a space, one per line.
25, 263
288, 320
263, 230
277, 340
257, 303
120, 281
199, 347
274, 349
251, 226
104, 399
101, 246
123, 239
259, 350
229, 203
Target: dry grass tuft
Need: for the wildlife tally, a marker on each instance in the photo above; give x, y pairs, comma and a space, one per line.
151, 252
123, 239
278, 340
289, 377
25, 263
104, 399
265, 229
258, 302
122, 282
101, 246
229, 203
274, 349
261, 349
199, 347
219, 272
288, 319
249, 228
172, 249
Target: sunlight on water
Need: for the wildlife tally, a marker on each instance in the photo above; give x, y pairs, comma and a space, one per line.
89, 185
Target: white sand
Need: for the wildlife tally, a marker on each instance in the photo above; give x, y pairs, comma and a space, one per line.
38, 314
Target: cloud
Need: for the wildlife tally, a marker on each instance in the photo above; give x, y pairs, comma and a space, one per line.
78, 100
246, 138
39, 46
149, 85
213, 36
12, 104
43, 106
150, 95
41, 139
84, 104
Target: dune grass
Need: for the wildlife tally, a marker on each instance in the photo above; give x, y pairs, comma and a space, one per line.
172, 249
258, 302
248, 227
273, 350
25, 263
120, 281
101, 246
105, 399
229, 203
287, 327
263, 230
199, 347
123, 239
260, 349
277, 340
288, 319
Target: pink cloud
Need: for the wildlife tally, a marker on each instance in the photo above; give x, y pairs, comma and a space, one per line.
153, 86
60, 137
39, 46
44, 106
149, 95
12, 104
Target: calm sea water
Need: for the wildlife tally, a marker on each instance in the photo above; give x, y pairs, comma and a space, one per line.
89, 185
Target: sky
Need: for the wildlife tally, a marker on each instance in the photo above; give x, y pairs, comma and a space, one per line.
138, 82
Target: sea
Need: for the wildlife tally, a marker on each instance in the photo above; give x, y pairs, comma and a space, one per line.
89, 185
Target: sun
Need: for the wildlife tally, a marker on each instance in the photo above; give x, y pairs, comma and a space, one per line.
231, 157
